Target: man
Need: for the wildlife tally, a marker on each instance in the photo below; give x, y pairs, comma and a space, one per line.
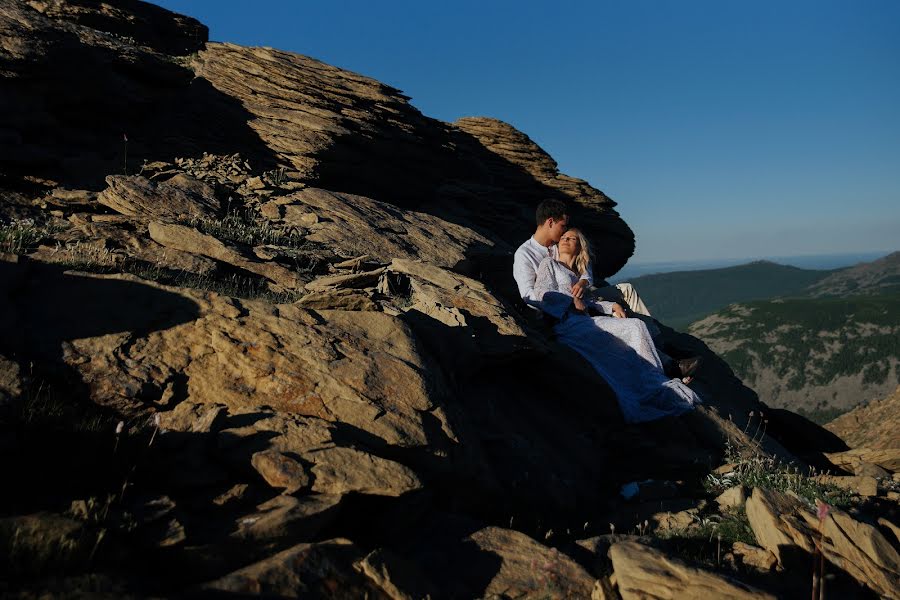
552, 221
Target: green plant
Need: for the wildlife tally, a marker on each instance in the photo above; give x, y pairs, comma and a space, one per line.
22, 235
753, 468
244, 227
729, 527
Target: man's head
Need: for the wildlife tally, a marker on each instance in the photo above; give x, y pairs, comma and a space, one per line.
552, 221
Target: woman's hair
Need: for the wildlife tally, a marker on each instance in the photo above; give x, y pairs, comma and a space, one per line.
583, 258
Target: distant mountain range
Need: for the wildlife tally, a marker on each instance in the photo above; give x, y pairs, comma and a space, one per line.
678, 299
683, 297
820, 350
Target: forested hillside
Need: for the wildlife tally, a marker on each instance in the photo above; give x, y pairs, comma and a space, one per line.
678, 299
817, 356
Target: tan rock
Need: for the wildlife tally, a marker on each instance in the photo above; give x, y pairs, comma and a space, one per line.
288, 517
351, 280
665, 521
283, 432
358, 225
11, 384
338, 471
604, 589
530, 569
875, 425
774, 522
754, 556
643, 572
188, 239
397, 577
891, 526
280, 471
234, 494
303, 571
193, 417
733, 497
886, 458
866, 469
861, 484
435, 286
725, 469
338, 300
780, 521
361, 368
181, 197
862, 551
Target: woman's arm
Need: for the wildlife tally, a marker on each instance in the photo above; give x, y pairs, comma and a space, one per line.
545, 280
555, 300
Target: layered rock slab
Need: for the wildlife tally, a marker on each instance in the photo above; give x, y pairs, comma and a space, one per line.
783, 523
363, 369
643, 573
359, 225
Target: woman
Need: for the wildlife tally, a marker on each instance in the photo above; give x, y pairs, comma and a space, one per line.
619, 348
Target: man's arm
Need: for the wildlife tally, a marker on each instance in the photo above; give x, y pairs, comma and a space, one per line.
524, 274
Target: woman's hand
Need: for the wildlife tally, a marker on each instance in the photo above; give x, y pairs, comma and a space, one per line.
617, 311
578, 288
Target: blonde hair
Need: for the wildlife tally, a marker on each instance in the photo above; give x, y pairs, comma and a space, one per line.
583, 258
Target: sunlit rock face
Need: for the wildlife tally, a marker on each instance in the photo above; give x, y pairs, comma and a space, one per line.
86, 76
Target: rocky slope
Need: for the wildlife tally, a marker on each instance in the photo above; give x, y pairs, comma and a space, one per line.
880, 276
281, 355
873, 425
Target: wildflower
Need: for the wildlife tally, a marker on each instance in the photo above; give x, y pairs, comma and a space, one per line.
822, 510
120, 427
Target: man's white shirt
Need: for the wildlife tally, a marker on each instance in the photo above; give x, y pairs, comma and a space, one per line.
525, 265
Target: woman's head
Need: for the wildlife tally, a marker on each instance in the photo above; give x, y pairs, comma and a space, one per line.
573, 243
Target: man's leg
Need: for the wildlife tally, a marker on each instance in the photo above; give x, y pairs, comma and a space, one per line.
624, 294
634, 302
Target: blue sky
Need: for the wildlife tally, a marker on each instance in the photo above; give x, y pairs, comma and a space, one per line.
722, 128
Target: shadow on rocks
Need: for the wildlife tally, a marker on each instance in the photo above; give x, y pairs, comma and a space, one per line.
44, 308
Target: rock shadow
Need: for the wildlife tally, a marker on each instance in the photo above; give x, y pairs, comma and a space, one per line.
45, 307
84, 102
458, 179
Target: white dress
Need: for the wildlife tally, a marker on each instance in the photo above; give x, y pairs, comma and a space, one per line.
621, 350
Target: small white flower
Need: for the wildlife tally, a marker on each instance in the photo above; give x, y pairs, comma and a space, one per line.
120, 427
156, 419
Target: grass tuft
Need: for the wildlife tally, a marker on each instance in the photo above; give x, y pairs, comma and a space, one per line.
23, 235
244, 228
754, 469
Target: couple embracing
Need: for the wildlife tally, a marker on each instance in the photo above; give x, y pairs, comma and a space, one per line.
608, 326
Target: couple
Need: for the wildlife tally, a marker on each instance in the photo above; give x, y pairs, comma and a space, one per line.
552, 270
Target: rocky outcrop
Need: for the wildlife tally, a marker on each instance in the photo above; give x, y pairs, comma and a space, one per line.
180, 198
782, 524
356, 226
322, 125
875, 425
